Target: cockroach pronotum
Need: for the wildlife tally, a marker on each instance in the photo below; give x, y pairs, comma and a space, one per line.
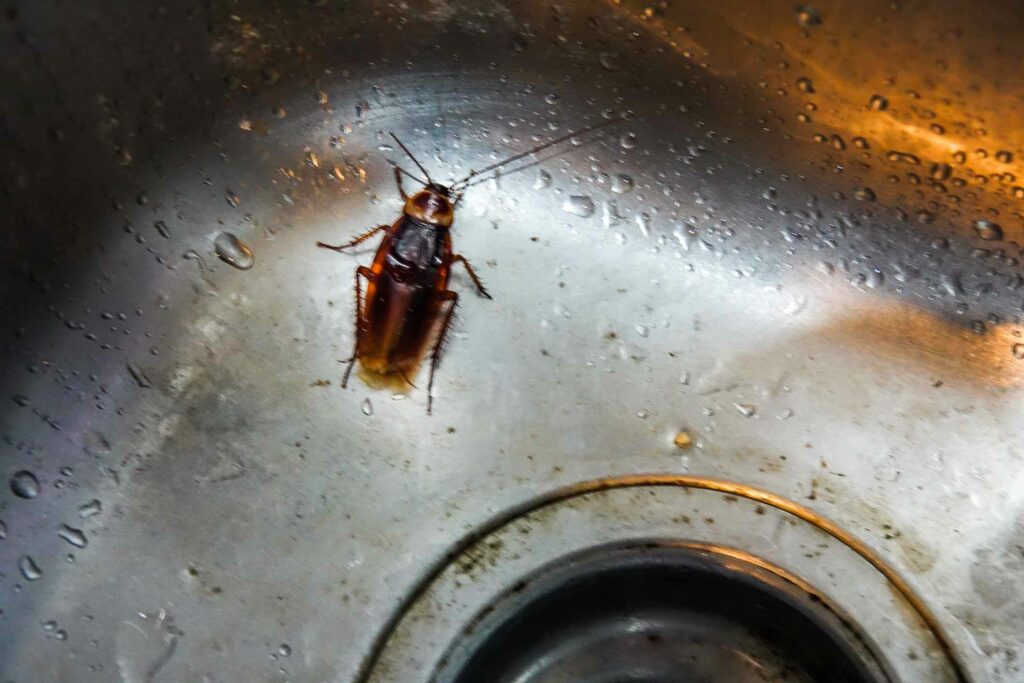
408, 308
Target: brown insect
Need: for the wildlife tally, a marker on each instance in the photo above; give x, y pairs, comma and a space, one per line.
407, 308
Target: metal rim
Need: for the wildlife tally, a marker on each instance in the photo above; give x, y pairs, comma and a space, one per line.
899, 584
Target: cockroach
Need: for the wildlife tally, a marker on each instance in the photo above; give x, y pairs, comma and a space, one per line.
407, 308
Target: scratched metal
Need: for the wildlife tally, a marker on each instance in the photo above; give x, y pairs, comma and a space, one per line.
820, 286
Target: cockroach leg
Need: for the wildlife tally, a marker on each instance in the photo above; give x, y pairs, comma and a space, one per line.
480, 289
398, 180
358, 240
368, 274
452, 300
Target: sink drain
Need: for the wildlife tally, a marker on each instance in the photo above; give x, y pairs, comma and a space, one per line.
737, 584
660, 613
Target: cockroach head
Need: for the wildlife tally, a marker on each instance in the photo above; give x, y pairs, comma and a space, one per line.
440, 189
431, 205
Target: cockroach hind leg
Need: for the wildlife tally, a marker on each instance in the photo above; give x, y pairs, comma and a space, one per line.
435, 356
361, 271
350, 363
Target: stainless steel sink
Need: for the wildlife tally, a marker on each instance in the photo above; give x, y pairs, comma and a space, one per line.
789, 281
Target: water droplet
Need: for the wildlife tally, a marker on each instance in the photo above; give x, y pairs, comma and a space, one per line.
73, 536
139, 376
987, 230
878, 103
24, 484
543, 181
860, 143
366, 407
1018, 351
29, 569
162, 228
746, 409
284, 650
551, 98
233, 251
362, 109
627, 140
805, 84
1004, 157
579, 205
233, 199
643, 414
622, 184
145, 645
607, 61
807, 16
683, 439
3, 530
90, 509
864, 194
193, 255
941, 171
643, 221
1018, 193
905, 157
61, 634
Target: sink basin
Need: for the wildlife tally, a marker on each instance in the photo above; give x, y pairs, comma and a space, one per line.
789, 279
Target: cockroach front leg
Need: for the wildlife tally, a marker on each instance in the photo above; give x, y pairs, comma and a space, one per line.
480, 289
368, 274
452, 300
358, 240
398, 181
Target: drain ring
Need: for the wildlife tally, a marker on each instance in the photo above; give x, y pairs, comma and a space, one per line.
400, 632
657, 611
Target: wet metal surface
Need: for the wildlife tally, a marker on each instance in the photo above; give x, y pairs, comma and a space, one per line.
802, 252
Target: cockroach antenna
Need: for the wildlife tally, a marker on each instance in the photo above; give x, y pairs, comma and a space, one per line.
414, 159
539, 148
407, 174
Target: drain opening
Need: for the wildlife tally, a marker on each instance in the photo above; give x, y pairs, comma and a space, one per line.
659, 613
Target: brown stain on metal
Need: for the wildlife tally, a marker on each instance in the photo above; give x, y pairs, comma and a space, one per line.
481, 556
